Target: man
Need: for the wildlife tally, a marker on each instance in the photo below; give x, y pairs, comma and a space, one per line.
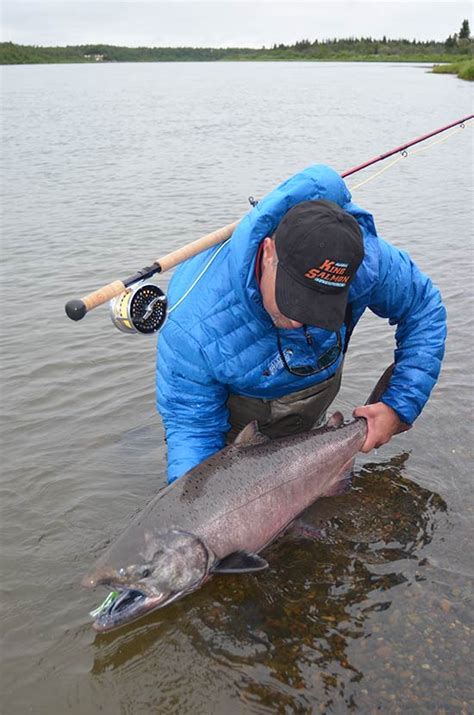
261, 323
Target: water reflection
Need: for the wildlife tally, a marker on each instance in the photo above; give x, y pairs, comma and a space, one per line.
288, 633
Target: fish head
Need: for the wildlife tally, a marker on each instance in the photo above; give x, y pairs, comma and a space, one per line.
171, 564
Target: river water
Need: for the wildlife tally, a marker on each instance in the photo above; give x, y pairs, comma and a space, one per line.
108, 167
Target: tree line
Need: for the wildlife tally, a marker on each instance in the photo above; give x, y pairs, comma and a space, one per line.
455, 46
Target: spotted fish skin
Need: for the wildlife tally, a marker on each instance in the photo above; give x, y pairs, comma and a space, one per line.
229, 507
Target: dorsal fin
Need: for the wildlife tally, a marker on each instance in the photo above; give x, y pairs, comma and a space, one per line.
250, 435
336, 420
381, 386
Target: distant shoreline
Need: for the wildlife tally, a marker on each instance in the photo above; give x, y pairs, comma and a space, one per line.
361, 60
348, 50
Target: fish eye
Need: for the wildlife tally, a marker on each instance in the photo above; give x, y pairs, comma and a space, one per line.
146, 572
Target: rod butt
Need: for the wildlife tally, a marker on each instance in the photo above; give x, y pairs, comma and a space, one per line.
76, 309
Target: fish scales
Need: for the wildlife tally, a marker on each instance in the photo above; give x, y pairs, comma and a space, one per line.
241, 498
221, 514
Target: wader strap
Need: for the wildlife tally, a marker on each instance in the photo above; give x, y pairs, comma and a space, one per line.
349, 326
288, 415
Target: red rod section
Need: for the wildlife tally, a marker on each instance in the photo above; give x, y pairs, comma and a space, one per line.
405, 146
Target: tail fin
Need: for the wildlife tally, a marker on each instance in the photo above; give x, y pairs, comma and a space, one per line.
381, 386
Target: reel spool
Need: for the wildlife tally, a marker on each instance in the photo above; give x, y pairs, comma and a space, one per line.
139, 309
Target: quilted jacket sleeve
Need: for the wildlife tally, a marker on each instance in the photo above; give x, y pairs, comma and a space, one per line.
190, 401
408, 298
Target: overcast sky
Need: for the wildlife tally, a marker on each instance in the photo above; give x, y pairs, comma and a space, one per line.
224, 23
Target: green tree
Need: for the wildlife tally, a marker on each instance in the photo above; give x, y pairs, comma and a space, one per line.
464, 32
450, 43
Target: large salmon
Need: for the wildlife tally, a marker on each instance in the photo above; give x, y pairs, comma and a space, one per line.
221, 514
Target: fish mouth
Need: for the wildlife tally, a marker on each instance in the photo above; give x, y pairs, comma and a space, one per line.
128, 605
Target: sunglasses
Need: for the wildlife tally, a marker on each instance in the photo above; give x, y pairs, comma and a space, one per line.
324, 361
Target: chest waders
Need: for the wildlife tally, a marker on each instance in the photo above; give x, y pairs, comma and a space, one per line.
297, 412
287, 415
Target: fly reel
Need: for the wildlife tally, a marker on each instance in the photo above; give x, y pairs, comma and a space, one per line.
139, 309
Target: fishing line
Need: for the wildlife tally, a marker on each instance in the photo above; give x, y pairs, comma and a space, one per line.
138, 306
405, 155
374, 176
173, 307
437, 141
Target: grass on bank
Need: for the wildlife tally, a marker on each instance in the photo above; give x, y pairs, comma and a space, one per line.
463, 69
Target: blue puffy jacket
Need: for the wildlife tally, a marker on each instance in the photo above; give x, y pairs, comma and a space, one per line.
219, 339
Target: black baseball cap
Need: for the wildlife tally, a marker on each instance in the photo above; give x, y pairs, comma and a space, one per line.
319, 248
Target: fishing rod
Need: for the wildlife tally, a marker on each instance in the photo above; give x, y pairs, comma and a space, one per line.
403, 147
143, 308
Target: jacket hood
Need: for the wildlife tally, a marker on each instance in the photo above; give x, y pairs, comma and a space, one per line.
315, 182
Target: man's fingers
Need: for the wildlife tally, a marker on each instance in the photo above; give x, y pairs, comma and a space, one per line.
382, 424
371, 444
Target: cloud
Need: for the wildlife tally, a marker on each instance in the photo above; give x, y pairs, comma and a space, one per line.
224, 23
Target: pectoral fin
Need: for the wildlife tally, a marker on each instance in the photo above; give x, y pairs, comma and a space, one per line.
240, 562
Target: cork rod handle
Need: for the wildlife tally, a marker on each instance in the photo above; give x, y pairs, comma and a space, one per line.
192, 249
76, 309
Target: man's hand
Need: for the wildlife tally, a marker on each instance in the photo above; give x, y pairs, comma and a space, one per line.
382, 424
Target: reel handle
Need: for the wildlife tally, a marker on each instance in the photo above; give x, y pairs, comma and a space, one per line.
76, 309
